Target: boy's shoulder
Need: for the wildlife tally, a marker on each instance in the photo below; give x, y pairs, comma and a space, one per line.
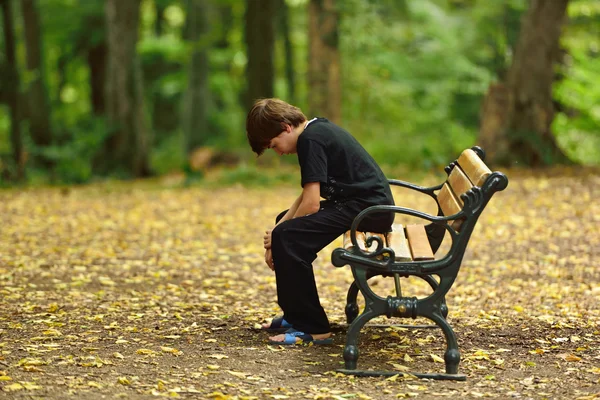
321, 130
319, 122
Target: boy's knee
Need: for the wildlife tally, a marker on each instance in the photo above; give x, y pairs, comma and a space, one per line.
278, 233
281, 214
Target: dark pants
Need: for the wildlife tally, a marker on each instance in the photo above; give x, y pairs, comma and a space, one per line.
295, 244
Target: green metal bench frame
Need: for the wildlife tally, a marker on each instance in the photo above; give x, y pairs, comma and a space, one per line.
382, 262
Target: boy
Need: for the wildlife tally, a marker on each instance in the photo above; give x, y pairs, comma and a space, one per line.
333, 165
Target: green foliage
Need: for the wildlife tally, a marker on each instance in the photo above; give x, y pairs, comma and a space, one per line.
578, 124
73, 158
249, 174
168, 156
163, 59
412, 86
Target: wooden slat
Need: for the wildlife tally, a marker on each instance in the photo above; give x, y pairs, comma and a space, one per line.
418, 243
448, 202
396, 240
450, 205
459, 183
360, 238
474, 167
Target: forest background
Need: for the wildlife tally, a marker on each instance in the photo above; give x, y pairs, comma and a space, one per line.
120, 89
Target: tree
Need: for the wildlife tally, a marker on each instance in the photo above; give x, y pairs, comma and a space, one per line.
225, 25
38, 111
324, 60
89, 42
96, 59
12, 84
129, 143
197, 97
260, 46
93, 36
160, 7
284, 27
517, 114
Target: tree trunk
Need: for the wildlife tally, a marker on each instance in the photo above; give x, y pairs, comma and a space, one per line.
61, 70
517, 114
160, 6
12, 83
196, 99
91, 44
128, 146
96, 59
324, 60
284, 26
37, 95
225, 25
260, 46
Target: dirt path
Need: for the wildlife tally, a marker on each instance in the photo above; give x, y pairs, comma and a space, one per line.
136, 293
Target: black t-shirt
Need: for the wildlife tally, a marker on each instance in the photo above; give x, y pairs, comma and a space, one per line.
330, 155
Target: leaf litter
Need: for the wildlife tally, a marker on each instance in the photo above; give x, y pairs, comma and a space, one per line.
143, 292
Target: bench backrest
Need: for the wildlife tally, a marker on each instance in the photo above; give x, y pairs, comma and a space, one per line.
468, 171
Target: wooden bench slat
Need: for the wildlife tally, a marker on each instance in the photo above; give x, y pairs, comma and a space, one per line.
450, 205
474, 167
419, 243
447, 200
459, 182
396, 240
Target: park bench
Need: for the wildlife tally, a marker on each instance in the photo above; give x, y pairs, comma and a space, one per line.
411, 251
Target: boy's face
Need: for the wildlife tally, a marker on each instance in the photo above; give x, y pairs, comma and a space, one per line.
285, 142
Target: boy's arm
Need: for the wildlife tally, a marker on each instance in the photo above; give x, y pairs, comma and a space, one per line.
310, 200
307, 203
292, 211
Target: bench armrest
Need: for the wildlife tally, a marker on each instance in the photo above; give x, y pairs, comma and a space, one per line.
439, 220
427, 190
436, 219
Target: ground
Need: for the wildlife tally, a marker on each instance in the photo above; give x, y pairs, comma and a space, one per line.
136, 291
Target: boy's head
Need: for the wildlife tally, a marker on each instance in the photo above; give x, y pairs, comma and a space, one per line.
267, 119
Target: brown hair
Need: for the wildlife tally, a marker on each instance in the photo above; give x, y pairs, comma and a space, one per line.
265, 121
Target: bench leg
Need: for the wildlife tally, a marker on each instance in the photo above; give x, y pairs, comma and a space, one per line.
351, 350
374, 306
351, 304
433, 308
352, 309
452, 355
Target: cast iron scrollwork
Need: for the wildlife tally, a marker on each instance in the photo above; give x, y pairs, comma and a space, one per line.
473, 200
495, 182
448, 168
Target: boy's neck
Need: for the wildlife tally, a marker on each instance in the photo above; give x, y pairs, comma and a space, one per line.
305, 123
300, 128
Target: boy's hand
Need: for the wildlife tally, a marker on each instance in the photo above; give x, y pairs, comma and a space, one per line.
267, 239
269, 259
